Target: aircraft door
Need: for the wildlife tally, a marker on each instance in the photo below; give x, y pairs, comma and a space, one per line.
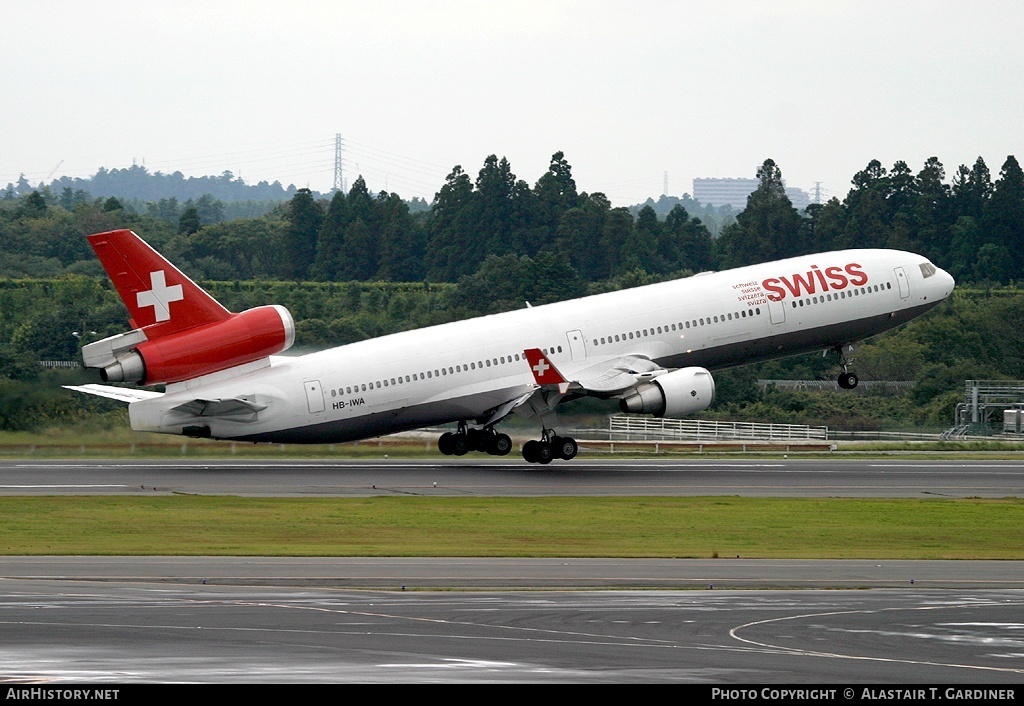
577, 346
314, 396
903, 282
777, 311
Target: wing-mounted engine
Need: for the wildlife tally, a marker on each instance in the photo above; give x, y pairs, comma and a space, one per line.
236, 340
673, 394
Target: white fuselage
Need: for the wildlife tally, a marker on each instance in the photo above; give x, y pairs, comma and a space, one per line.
463, 370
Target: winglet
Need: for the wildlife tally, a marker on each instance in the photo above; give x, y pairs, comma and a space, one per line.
544, 371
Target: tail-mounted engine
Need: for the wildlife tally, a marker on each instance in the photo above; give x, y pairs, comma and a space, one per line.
241, 338
674, 394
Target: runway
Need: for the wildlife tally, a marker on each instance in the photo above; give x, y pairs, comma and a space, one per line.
752, 478
484, 620
124, 633
516, 573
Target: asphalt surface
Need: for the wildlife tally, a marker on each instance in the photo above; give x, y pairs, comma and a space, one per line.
123, 620
100, 633
899, 477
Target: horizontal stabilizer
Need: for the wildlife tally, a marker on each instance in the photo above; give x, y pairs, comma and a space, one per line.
121, 394
237, 408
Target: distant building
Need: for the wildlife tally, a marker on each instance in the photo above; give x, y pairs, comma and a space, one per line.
800, 198
734, 192
723, 192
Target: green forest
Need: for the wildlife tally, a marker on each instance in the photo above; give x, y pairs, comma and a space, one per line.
356, 265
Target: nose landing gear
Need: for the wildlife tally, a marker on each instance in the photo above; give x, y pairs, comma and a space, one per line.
846, 380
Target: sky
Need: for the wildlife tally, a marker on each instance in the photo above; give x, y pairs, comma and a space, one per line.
636, 94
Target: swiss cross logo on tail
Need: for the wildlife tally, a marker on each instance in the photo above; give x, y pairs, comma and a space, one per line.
544, 371
159, 296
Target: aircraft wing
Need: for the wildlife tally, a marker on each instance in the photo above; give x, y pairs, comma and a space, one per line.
616, 376
121, 394
495, 415
605, 379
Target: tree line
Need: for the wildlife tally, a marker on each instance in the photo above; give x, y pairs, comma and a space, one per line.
136, 182
972, 226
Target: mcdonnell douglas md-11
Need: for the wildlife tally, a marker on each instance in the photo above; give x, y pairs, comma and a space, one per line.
651, 347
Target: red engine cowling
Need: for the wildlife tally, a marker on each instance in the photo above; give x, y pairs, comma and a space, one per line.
242, 338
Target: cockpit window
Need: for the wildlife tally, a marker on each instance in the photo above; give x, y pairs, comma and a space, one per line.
927, 269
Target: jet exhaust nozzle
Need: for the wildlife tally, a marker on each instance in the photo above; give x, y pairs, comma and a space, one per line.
129, 367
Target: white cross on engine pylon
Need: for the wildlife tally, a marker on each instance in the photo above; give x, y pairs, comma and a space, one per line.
541, 367
160, 296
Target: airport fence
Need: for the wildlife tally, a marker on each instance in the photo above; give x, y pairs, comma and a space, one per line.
635, 428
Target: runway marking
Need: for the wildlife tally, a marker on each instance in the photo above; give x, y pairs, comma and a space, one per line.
947, 465
453, 663
68, 485
511, 465
894, 660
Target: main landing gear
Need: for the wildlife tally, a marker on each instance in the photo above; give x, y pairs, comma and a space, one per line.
550, 447
544, 450
464, 440
846, 380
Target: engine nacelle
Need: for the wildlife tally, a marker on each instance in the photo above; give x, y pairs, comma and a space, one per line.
674, 394
242, 338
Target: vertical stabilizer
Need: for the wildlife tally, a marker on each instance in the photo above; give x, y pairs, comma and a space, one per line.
180, 331
159, 297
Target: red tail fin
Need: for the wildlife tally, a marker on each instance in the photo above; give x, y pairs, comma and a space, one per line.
159, 297
181, 332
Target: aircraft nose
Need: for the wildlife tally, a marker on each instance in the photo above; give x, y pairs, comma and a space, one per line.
947, 282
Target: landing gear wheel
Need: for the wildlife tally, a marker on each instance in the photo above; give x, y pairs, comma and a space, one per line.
530, 453
544, 452
499, 445
565, 447
445, 444
478, 439
537, 451
846, 380
460, 444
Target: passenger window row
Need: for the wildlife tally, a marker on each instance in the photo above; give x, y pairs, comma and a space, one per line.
435, 373
682, 325
842, 294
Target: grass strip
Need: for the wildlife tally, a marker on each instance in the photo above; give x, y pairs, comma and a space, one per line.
699, 527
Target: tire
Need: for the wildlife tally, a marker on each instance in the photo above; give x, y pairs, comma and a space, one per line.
566, 448
460, 444
445, 444
544, 452
500, 445
478, 440
530, 451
